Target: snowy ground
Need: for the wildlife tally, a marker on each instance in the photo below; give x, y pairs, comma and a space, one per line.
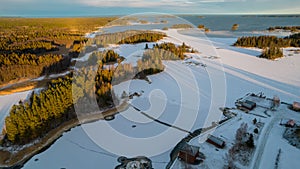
7, 101
188, 96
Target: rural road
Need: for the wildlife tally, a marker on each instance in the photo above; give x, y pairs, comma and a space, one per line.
261, 145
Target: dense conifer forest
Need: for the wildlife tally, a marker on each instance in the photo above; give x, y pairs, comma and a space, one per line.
42, 112
126, 37
33, 47
268, 41
145, 37
270, 44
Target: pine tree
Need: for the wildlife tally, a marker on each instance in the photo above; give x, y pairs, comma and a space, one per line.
250, 141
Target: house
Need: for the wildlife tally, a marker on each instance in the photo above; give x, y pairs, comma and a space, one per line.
189, 153
216, 141
250, 105
296, 106
290, 123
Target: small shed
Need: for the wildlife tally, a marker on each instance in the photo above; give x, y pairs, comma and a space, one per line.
290, 123
250, 105
216, 141
296, 106
189, 153
276, 101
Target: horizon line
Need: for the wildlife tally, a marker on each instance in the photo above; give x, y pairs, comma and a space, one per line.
121, 15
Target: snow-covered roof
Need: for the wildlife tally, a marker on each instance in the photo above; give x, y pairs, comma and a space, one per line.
189, 149
216, 140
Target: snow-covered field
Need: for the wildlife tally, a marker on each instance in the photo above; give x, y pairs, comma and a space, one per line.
187, 96
7, 101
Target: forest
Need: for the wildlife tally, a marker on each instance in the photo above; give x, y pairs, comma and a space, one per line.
128, 37
144, 37
42, 112
270, 44
268, 41
31, 48
14, 66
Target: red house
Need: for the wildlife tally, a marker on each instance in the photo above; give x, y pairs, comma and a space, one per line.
216, 141
189, 154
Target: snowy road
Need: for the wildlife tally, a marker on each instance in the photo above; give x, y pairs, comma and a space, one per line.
262, 143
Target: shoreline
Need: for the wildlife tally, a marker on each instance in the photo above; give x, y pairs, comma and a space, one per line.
18, 159
17, 90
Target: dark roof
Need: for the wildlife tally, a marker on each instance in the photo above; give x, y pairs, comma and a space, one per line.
250, 103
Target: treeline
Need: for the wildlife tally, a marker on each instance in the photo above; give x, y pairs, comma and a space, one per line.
174, 52
151, 62
286, 28
15, 66
27, 59
27, 47
181, 26
105, 57
132, 36
43, 112
267, 41
143, 37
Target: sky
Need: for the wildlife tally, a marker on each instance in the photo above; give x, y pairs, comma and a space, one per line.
46, 8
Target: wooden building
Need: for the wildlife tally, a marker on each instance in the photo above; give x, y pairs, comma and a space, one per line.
189, 153
216, 141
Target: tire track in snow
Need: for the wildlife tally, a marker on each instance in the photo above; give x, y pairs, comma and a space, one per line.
158, 121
